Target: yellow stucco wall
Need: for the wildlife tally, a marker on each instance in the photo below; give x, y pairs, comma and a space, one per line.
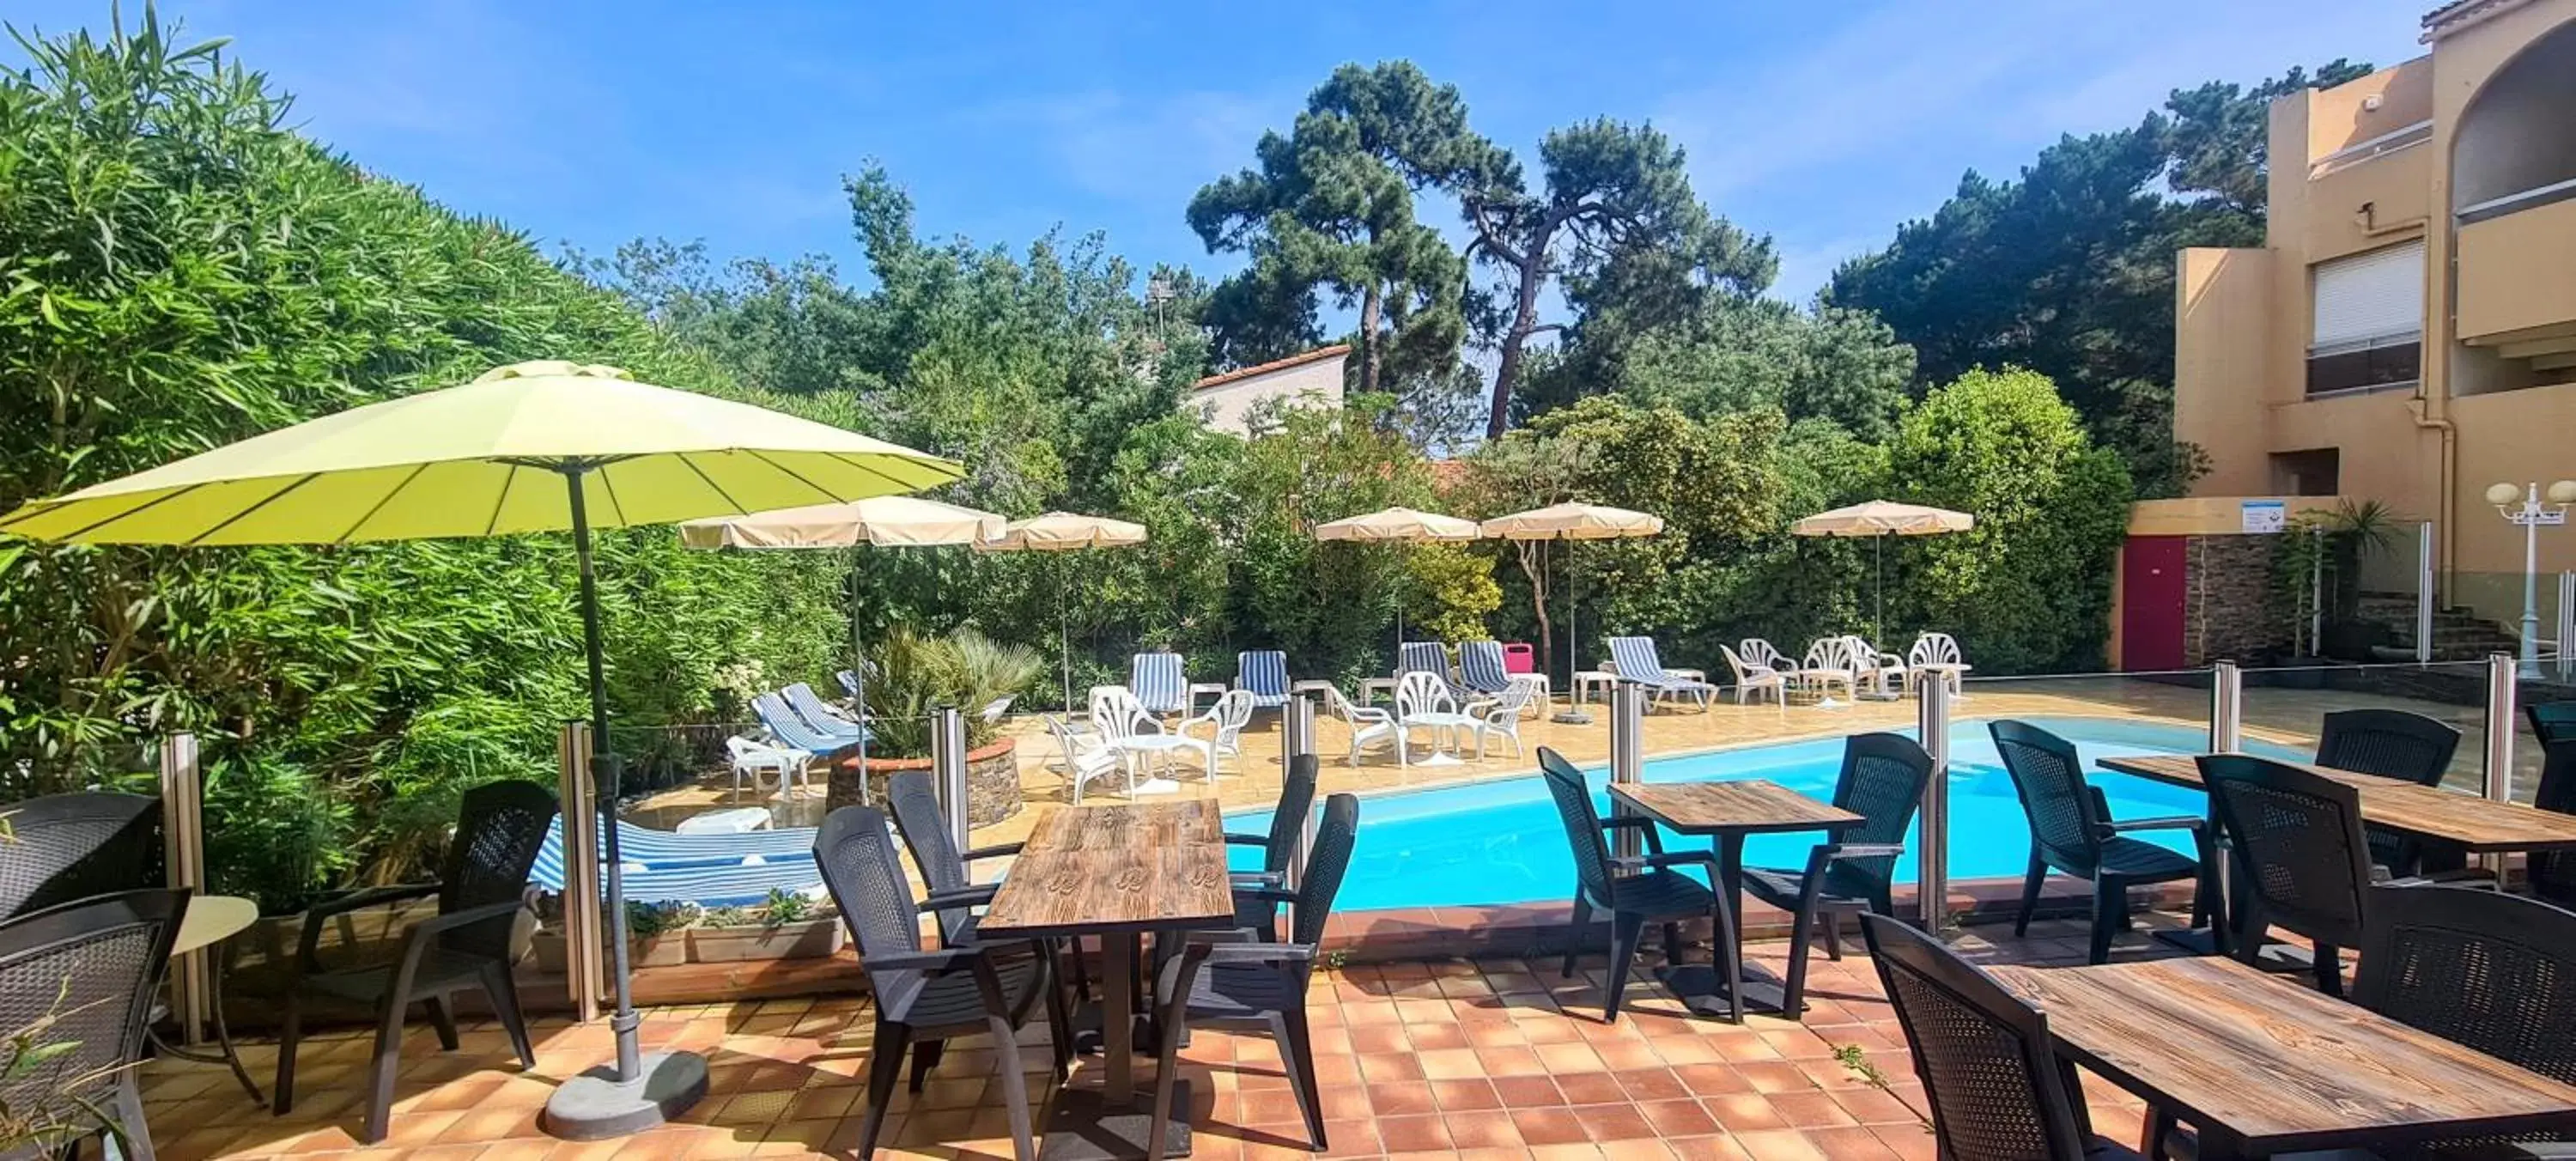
2518, 272
2222, 331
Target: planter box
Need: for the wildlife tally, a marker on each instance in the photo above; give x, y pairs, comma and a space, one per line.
805, 939
669, 949
992, 781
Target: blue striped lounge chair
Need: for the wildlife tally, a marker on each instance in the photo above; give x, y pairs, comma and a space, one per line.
1263, 673
1480, 667
1423, 657
809, 706
713, 870
1155, 679
1634, 659
793, 731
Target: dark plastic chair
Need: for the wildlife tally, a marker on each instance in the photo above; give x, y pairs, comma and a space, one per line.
925, 997
1882, 781
73, 846
481, 887
2300, 856
2072, 831
2478, 968
1655, 893
917, 814
1221, 978
2392, 744
1997, 1088
2553, 873
93, 967
2552, 721
1258, 894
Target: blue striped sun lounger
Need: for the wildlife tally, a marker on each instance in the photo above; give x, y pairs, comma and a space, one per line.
1155, 679
727, 870
1263, 673
1634, 660
792, 729
1480, 667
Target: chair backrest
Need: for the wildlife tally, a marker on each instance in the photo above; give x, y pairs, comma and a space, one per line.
849, 680
2483, 969
1288, 819
1921, 653
2553, 873
1326, 862
2297, 840
93, 967
1422, 657
2389, 743
1420, 691
1117, 713
783, 723
809, 706
1743, 670
1233, 710
1480, 666
1582, 822
1997, 1088
499, 828
1155, 679
2049, 777
73, 846
1825, 653
1764, 653
1508, 704
2552, 721
1076, 747
1262, 671
924, 826
854, 848
1882, 781
1634, 658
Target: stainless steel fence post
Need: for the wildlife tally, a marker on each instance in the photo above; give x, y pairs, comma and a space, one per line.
2501, 691
2226, 707
1627, 753
2424, 593
582, 920
948, 771
1297, 737
1932, 849
2566, 625
183, 841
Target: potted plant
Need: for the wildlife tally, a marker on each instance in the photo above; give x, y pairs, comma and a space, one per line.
915, 676
655, 936
2316, 581
783, 926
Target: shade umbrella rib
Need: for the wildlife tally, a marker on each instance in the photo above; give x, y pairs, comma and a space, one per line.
878, 472
250, 511
608, 484
501, 500
351, 532
730, 503
90, 529
819, 489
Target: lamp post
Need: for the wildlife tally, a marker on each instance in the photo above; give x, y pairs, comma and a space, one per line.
2532, 513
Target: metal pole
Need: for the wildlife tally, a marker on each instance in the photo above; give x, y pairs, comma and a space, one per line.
581, 871
1628, 751
2501, 688
1932, 853
2566, 625
183, 840
948, 770
2226, 707
2531, 584
2317, 594
2424, 593
1297, 740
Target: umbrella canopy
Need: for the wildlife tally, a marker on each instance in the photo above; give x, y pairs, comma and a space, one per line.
1573, 522
1402, 525
885, 521
486, 459
1064, 532
1884, 518
532, 447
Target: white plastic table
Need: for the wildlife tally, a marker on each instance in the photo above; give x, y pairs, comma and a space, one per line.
1446, 726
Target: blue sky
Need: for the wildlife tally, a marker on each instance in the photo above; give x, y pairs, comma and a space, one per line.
1823, 125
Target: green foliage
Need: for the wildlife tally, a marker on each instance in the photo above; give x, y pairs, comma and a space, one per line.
646, 920
916, 675
1449, 591
2029, 588
1745, 354
783, 908
44, 1108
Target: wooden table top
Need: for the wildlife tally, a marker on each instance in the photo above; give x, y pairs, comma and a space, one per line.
2466, 820
1117, 868
2280, 1066
1742, 806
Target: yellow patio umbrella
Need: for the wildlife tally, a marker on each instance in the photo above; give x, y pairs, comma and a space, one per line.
1877, 520
1399, 525
1064, 532
532, 447
1571, 521
884, 521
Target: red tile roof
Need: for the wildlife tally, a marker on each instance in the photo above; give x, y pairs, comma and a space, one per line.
1335, 351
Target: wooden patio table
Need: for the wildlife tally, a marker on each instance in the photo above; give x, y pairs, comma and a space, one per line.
2260, 1066
1729, 811
2466, 821
1116, 872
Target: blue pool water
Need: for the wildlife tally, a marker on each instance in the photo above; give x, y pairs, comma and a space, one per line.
1500, 842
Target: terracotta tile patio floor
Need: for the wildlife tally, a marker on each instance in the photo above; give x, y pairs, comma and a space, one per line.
1485, 1058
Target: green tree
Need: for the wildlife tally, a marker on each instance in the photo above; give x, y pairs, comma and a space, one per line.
1739, 354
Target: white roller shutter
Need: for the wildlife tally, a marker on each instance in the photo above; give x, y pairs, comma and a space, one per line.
2378, 295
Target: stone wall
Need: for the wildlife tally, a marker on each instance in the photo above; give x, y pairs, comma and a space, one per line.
992, 782
2227, 602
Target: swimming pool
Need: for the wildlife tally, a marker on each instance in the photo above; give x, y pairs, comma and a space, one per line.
1500, 842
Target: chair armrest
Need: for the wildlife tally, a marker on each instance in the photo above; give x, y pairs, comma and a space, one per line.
1654, 836
1240, 839
995, 851
308, 944
1264, 893
424, 934
1260, 953
1861, 850
946, 959
2464, 877
1661, 859
975, 896
2190, 822
1242, 879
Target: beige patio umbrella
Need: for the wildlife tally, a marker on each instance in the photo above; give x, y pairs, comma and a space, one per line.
1064, 532
1571, 522
1399, 525
1878, 520
884, 521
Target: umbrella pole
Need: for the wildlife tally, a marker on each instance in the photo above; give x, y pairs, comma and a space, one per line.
1064, 632
1878, 620
858, 679
632, 1095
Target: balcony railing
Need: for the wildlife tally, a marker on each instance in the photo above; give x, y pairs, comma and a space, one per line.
2533, 198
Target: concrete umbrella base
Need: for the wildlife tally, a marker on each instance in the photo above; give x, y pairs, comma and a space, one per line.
595, 1105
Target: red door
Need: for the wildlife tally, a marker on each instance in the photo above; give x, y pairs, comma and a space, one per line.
2151, 603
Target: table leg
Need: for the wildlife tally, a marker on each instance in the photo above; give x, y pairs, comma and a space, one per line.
1698, 985
1109, 1123
1118, 1017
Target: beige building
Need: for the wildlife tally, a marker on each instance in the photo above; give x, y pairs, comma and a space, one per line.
1226, 401
2408, 331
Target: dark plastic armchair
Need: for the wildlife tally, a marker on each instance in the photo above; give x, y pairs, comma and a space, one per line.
93, 968
481, 887
1655, 893
2393, 744
1882, 781
72, 846
2300, 856
1258, 894
2072, 831
943, 867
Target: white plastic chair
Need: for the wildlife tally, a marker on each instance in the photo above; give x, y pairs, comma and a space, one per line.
1120, 717
1423, 701
1936, 655
1227, 718
1369, 725
750, 757
1503, 716
1752, 679
1757, 651
1826, 666
1087, 755
1870, 663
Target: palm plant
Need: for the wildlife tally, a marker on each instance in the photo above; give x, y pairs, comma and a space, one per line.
916, 675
